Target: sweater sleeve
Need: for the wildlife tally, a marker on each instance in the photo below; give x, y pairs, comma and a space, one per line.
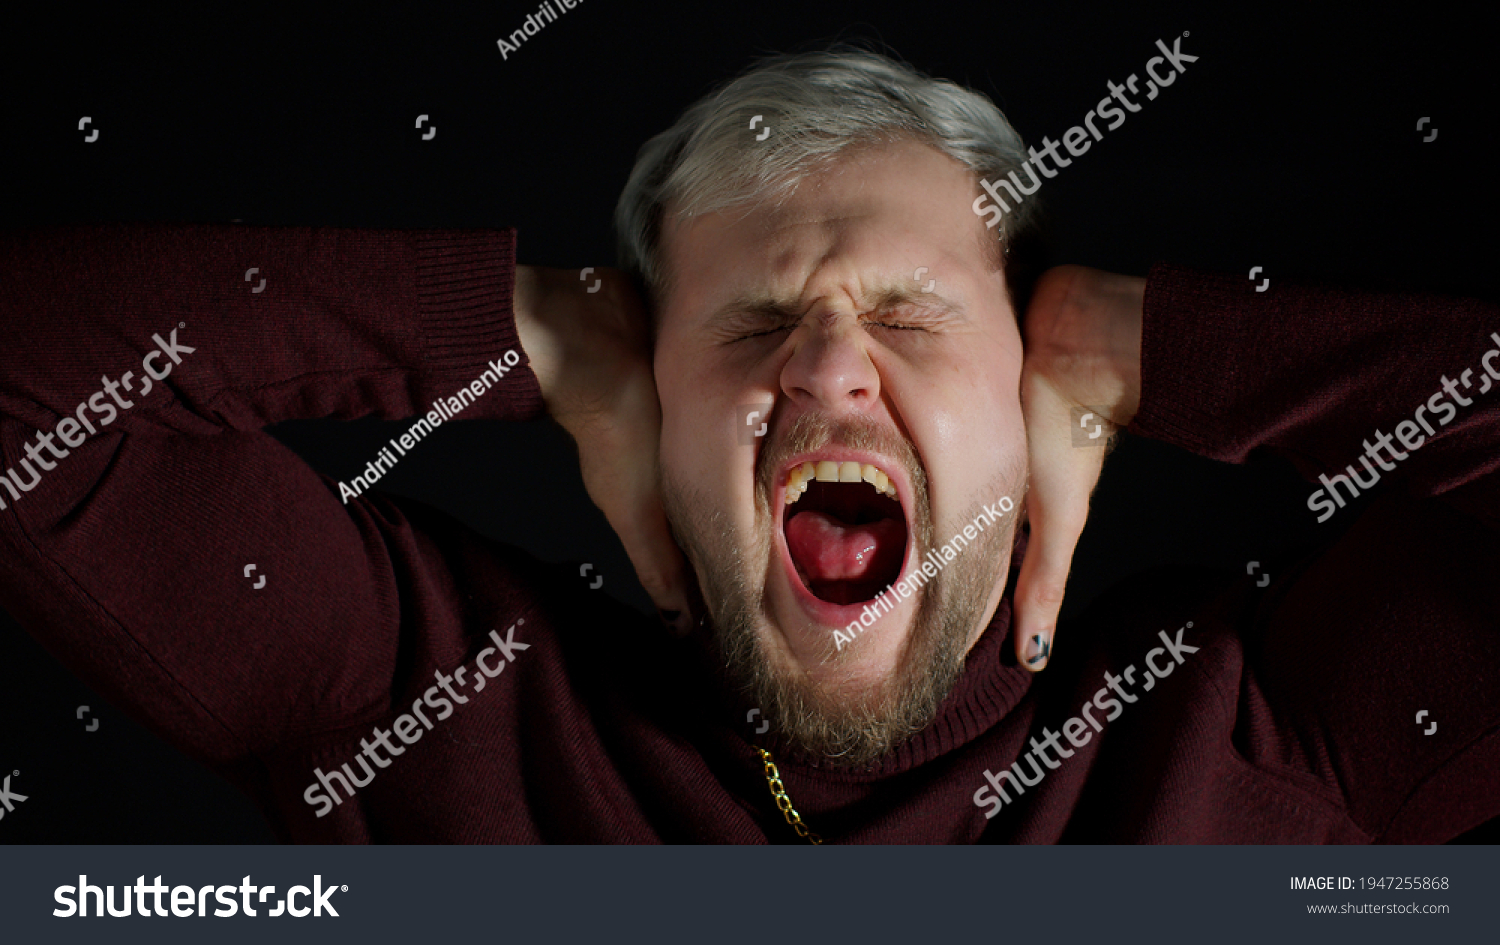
140, 363
1319, 375
1350, 649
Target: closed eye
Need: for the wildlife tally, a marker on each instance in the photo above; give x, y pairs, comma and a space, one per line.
760, 334
780, 328
746, 321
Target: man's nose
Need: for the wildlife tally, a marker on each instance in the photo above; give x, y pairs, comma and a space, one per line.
830, 369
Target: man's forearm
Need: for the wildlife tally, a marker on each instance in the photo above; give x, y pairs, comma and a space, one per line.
1317, 373
182, 491
285, 320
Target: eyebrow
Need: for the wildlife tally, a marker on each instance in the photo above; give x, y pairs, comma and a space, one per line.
769, 307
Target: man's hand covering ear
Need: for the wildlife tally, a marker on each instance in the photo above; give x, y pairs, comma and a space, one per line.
591, 352
1083, 354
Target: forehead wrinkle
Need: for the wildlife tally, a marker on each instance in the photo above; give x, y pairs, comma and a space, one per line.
880, 293
790, 232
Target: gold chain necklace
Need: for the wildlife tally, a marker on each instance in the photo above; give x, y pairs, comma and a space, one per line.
784, 803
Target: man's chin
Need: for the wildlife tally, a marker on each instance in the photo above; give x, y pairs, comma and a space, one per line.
848, 705
837, 653
834, 678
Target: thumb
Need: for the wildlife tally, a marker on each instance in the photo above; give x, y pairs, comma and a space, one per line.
1062, 479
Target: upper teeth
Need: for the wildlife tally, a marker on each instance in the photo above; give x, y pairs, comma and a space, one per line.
829, 471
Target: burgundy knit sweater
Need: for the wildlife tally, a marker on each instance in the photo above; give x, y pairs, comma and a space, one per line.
567, 717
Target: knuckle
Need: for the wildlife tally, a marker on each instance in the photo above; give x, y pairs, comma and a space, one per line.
1048, 593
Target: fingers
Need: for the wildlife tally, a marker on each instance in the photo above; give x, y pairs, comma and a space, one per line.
658, 562
618, 457
1062, 479
589, 345
1040, 588
623, 485
1083, 349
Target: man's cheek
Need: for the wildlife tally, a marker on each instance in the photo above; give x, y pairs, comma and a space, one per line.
752, 423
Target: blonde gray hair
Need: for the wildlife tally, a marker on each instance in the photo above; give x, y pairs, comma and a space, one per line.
817, 105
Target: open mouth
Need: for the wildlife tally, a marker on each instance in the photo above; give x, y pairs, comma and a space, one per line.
844, 528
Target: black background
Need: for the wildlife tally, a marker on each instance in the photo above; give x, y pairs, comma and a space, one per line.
1290, 144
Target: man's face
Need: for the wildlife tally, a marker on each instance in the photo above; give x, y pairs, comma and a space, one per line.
816, 314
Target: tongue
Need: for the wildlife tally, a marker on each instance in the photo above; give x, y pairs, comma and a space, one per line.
825, 549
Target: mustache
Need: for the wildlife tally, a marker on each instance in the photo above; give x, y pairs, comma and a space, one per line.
811, 432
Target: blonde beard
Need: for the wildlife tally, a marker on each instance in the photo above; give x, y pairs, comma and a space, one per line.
844, 730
